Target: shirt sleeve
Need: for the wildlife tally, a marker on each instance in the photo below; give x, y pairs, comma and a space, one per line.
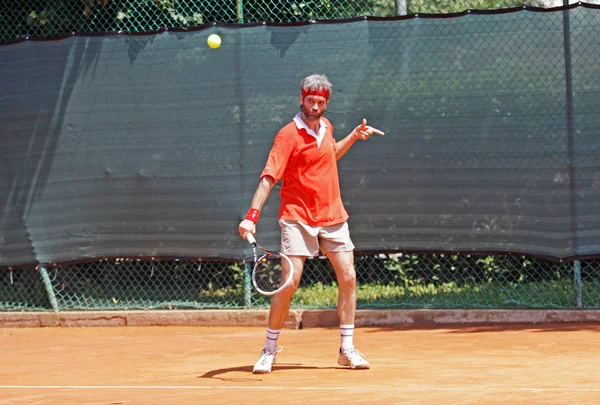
278, 158
333, 138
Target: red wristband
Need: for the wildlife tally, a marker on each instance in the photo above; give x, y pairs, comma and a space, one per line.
253, 215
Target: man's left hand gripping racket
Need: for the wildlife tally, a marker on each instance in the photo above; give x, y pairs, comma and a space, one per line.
272, 272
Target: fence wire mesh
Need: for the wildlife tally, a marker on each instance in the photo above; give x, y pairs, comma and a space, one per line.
383, 281
50, 18
390, 281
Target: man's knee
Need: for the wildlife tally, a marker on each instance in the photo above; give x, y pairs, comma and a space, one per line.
288, 291
347, 278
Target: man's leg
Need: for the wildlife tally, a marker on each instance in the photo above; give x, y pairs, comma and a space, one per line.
280, 306
280, 303
343, 264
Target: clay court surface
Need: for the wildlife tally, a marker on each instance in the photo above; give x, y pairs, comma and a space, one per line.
495, 364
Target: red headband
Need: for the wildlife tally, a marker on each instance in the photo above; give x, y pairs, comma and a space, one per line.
319, 92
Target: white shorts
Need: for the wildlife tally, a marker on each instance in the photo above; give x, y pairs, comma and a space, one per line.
298, 239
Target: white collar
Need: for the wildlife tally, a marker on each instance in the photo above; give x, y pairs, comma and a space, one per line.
300, 124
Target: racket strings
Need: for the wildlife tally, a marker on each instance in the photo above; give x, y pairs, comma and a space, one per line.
268, 273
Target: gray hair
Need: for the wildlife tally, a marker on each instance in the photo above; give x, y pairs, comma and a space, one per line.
316, 82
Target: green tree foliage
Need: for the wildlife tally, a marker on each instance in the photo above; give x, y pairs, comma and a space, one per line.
453, 6
49, 18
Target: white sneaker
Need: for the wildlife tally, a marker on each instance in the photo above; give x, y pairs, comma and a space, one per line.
266, 361
353, 358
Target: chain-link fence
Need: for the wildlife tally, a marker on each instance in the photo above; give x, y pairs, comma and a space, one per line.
50, 18
398, 281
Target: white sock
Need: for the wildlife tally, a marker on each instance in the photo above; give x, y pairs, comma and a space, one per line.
271, 342
347, 334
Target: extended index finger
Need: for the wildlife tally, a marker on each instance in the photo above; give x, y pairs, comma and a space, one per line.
378, 132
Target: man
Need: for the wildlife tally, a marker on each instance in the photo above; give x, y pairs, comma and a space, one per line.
312, 216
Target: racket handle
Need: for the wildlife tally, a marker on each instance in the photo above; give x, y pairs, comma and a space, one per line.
250, 238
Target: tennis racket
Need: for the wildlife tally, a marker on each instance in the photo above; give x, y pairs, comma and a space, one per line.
272, 272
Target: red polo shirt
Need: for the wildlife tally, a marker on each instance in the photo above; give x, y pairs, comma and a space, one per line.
310, 191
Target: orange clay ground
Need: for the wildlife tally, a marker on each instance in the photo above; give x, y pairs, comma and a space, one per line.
496, 364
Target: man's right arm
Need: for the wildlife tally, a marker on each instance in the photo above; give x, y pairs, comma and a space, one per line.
260, 197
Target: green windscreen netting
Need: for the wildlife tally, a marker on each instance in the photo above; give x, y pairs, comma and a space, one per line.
152, 145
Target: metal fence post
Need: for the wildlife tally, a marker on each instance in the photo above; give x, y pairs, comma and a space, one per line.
578, 284
240, 11
242, 121
571, 134
49, 289
247, 284
401, 8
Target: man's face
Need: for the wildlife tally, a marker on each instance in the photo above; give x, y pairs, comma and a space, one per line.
313, 107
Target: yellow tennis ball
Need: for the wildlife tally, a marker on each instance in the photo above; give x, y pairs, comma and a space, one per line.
214, 41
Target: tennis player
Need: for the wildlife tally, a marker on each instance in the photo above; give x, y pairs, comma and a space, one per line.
312, 216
